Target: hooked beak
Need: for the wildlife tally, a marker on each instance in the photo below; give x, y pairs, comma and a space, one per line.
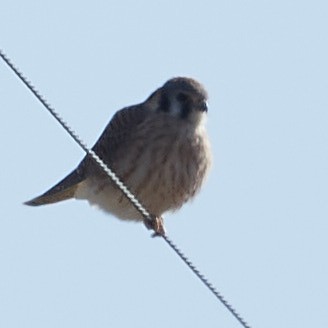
203, 106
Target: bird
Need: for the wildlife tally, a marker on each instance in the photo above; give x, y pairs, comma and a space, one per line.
159, 149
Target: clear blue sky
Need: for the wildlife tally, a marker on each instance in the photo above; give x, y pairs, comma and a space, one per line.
259, 227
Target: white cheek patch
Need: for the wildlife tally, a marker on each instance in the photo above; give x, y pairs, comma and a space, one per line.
175, 108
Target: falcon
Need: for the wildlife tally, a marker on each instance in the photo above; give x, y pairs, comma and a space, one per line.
158, 148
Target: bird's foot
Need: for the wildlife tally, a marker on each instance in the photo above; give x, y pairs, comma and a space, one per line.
157, 225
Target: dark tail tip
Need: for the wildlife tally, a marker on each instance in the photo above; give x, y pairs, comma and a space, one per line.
32, 202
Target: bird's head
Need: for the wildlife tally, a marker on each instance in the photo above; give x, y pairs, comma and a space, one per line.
181, 97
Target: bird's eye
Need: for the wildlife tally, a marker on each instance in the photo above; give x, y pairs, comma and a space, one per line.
182, 97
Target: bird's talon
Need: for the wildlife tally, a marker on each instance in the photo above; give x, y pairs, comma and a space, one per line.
157, 225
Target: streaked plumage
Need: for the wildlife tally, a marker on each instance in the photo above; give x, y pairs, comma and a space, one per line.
158, 148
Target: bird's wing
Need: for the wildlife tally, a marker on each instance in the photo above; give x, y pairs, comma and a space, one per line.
119, 132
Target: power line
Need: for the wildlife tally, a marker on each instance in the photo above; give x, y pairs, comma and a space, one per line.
205, 281
136, 203
112, 175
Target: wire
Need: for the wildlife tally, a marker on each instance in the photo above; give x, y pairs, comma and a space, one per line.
136, 203
133, 199
205, 281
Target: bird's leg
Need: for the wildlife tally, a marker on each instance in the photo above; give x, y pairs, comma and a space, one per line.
156, 224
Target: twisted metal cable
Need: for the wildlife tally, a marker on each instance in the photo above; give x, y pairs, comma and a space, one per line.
205, 281
133, 199
136, 203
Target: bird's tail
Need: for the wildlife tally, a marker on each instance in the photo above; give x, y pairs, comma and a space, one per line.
65, 189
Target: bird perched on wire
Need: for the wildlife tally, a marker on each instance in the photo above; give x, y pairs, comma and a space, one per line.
158, 148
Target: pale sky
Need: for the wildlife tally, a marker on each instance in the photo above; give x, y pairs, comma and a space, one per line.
258, 229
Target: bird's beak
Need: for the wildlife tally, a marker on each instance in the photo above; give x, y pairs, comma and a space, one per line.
203, 106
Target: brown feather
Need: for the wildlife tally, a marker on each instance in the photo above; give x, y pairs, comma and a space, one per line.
65, 189
120, 132
158, 148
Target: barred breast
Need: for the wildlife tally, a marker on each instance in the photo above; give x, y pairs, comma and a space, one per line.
164, 167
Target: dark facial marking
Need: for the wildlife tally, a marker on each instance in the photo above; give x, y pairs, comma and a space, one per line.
185, 109
164, 104
185, 103
182, 97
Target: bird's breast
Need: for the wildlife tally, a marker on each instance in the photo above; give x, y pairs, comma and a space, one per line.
162, 166
166, 168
